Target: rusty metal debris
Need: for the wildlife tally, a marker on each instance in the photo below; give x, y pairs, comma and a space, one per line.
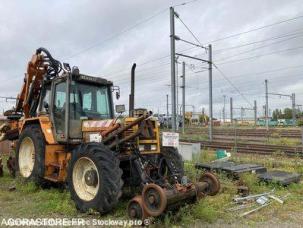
250, 197
257, 202
254, 210
155, 199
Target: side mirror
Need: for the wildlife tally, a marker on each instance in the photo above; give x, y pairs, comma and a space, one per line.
120, 108
117, 89
117, 95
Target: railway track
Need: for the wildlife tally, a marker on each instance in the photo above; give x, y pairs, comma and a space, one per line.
274, 133
251, 148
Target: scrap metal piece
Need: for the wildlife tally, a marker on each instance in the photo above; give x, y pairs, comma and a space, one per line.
250, 197
240, 207
262, 200
276, 199
254, 210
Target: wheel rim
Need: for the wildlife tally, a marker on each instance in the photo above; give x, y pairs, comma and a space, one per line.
86, 179
26, 157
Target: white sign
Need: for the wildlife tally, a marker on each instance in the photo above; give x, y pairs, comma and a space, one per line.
95, 137
170, 139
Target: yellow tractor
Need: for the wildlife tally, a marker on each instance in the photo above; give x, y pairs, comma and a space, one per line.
65, 131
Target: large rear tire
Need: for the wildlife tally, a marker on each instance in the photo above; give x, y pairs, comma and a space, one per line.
173, 164
30, 154
94, 178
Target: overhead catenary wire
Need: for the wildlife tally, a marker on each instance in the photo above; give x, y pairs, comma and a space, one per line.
127, 29
258, 56
257, 28
231, 83
215, 51
189, 30
260, 47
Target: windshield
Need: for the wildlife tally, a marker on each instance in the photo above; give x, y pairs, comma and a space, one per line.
89, 101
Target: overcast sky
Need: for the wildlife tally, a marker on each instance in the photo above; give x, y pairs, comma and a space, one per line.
105, 38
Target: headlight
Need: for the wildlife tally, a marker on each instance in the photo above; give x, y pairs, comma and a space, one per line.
147, 147
141, 147
153, 147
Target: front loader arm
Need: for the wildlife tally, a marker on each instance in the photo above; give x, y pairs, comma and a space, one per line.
32, 84
42, 67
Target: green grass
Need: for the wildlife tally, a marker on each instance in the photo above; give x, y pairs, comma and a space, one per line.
28, 200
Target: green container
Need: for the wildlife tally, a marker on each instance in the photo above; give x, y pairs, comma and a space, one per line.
221, 154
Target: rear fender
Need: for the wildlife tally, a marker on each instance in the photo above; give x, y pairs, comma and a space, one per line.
45, 125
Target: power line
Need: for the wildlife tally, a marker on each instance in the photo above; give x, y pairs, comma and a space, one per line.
185, 3
260, 41
260, 47
256, 29
257, 56
233, 47
226, 78
222, 50
188, 29
118, 34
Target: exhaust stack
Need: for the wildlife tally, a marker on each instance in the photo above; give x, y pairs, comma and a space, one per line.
132, 92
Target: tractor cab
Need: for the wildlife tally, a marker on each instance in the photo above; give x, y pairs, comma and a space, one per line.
89, 98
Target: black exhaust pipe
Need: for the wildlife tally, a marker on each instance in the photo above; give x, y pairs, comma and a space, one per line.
132, 92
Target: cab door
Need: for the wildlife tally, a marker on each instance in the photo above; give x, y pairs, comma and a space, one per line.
59, 109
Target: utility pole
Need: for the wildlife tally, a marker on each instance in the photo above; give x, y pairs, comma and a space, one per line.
255, 112
210, 92
183, 97
224, 96
177, 93
173, 68
266, 105
231, 110
167, 113
293, 102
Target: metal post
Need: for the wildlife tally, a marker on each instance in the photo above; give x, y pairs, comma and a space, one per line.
210, 127
235, 137
255, 112
172, 62
293, 101
183, 97
266, 105
224, 96
242, 112
231, 110
167, 113
177, 94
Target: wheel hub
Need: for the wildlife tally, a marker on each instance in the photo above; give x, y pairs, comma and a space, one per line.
91, 177
86, 179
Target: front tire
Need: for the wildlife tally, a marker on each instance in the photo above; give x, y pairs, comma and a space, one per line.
30, 154
94, 178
